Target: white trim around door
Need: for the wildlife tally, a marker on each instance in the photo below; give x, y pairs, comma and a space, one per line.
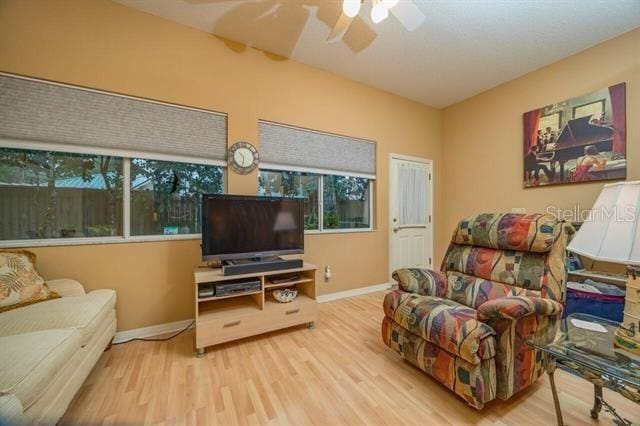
431, 216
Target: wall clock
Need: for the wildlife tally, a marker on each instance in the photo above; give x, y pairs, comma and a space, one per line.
243, 157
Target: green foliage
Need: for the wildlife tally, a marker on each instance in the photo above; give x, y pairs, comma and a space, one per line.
101, 231
43, 169
293, 184
161, 200
40, 167
331, 220
194, 179
346, 188
311, 220
336, 190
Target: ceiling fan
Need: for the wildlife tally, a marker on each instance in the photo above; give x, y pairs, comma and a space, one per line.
409, 15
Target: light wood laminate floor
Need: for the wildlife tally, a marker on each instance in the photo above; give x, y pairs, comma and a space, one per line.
338, 373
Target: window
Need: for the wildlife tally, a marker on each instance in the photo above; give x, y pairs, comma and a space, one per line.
293, 184
166, 196
57, 195
343, 204
593, 109
52, 195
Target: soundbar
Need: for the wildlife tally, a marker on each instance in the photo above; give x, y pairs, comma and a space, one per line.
235, 267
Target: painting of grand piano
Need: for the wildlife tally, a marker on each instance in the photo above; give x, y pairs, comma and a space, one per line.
578, 140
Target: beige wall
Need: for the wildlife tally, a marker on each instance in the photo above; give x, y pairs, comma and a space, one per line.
476, 144
482, 136
104, 45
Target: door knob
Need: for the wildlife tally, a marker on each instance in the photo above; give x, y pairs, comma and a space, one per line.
396, 229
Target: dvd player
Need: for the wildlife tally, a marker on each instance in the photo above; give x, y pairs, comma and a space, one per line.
227, 289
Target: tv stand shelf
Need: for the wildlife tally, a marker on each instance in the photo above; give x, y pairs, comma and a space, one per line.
209, 299
221, 319
270, 285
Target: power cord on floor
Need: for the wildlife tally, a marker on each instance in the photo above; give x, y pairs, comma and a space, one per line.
163, 339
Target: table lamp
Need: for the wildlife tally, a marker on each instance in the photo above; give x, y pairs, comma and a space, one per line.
612, 234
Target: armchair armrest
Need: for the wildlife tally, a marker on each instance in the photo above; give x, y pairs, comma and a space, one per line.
516, 307
66, 287
421, 281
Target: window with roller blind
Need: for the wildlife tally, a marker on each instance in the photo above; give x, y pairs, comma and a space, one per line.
81, 165
334, 174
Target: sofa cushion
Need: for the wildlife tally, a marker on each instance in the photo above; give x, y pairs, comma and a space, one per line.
20, 284
443, 322
84, 313
508, 231
28, 362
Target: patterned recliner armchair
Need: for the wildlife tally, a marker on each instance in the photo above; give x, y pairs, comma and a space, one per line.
502, 283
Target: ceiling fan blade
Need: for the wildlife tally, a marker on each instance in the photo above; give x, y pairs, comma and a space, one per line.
341, 27
359, 37
408, 14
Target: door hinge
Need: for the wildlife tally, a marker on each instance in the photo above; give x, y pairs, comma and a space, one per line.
429, 218
429, 176
429, 261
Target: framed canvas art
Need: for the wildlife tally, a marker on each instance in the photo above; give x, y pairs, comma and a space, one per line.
581, 139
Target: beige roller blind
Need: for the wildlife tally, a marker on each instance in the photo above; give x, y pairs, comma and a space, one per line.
39, 111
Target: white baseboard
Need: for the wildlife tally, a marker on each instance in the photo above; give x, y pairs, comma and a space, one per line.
172, 327
151, 331
353, 292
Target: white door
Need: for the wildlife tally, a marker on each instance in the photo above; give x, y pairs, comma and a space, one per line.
411, 226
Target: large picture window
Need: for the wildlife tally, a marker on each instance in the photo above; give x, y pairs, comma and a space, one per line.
166, 196
293, 184
48, 195
344, 203
57, 195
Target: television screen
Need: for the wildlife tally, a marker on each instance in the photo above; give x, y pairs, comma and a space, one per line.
236, 227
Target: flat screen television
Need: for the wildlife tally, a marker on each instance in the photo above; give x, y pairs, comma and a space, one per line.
245, 227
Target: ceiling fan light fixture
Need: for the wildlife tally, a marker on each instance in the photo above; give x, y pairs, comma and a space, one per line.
379, 12
351, 7
389, 3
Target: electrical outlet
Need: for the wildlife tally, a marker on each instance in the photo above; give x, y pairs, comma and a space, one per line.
518, 210
327, 273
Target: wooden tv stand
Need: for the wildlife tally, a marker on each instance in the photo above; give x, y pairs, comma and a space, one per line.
225, 318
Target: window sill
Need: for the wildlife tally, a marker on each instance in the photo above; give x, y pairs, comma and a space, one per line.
96, 240
55, 242
341, 231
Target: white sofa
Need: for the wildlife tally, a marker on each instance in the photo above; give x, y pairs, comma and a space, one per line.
48, 349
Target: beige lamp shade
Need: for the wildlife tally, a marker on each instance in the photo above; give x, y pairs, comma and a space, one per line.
611, 233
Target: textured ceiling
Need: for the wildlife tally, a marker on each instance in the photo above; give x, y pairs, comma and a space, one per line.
463, 48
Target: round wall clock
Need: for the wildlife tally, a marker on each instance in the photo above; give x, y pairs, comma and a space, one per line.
243, 157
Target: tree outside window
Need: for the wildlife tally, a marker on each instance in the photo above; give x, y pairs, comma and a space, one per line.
346, 202
293, 184
58, 195
166, 196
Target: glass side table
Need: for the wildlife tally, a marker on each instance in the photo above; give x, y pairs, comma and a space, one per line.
585, 348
